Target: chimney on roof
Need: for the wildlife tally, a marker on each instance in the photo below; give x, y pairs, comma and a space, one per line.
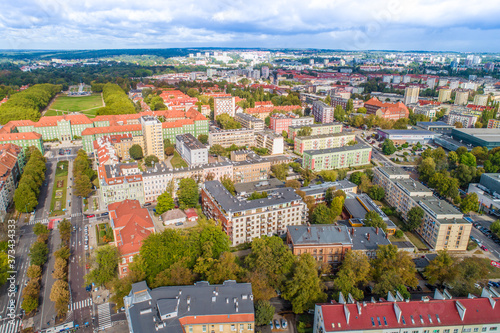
376, 230
308, 229
368, 236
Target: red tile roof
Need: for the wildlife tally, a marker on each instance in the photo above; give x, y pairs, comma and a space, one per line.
111, 129
20, 136
374, 316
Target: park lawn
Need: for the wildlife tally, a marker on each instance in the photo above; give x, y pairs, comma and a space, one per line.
419, 244
177, 161
108, 232
75, 103
61, 175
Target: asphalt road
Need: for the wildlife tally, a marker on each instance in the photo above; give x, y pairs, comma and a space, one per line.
493, 248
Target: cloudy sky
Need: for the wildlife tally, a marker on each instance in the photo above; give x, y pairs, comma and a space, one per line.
446, 25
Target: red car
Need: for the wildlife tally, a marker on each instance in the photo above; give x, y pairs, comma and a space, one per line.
87, 266
484, 248
89, 216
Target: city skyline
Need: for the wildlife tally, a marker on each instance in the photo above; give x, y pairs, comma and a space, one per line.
359, 25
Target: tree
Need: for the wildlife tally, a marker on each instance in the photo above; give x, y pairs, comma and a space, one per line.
65, 231
391, 269
225, 121
356, 177
39, 229
349, 106
362, 110
328, 175
104, 264
354, 271
322, 215
264, 312
280, 171
270, 261
336, 206
224, 268
339, 113
217, 150
25, 199
470, 203
188, 193
60, 269
165, 202
63, 253
441, 269
227, 182
495, 227
372, 219
376, 192
470, 270
415, 218
136, 152
293, 183
38, 253
468, 159
192, 92
176, 275
329, 195
464, 174
304, 288
169, 151
304, 131
388, 147
82, 186
426, 168
284, 134
203, 138
458, 124
452, 158
151, 160
34, 272
308, 175
59, 294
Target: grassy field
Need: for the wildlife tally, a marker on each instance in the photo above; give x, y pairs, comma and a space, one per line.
177, 161
104, 234
84, 104
61, 175
419, 244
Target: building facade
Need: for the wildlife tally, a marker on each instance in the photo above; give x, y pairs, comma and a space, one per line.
223, 105
322, 112
153, 138
337, 158
244, 220
316, 129
191, 149
467, 121
411, 95
461, 97
322, 141
249, 121
271, 141
444, 95
226, 138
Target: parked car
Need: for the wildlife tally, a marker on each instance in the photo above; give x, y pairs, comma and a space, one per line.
105, 214
91, 215
147, 204
271, 324
484, 248
277, 324
179, 223
283, 323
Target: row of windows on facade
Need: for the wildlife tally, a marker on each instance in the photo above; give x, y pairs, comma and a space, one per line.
221, 327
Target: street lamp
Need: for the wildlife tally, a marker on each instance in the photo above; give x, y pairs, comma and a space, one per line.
26, 207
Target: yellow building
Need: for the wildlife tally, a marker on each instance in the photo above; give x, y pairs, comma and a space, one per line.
444, 95
153, 137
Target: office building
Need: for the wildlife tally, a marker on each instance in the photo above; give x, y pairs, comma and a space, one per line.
243, 219
322, 112
491, 181
271, 141
153, 137
443, 313
322, 141
411, 95
443, 226
482, 137
225, 105
191, 149
435, 126
407, 136
198, 308
480, 100
461, 97
444, 95
316, 129
249, 121
337, 158
131, 224
467, 120
226, 138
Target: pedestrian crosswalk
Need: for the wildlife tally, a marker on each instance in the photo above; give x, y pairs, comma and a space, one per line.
43, 221
104, 316
76, 214
80, 304
9, 325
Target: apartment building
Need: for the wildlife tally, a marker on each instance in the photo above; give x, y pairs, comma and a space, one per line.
198, 308
337, 158
12, 161
461, 97
316, 129
23, 140
411, 95
443, 226
225, 104
120, 181
249, 121
325, 243
131, 225
467, 120
323, 112
442, 313
280, 122
243, 219
392, 111
226, 138
428, 110
191, 149
120, 144
321, 141
251, 170
318, 191
444, 95
271, 141
153, 138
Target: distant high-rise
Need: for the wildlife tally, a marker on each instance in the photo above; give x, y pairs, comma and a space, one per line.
224, 105
265, 72
444, 95
153, 137
411, 95
431, 82
454, 84
461, 97
480, 100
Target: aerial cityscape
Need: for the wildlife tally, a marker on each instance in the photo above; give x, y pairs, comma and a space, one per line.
251, 167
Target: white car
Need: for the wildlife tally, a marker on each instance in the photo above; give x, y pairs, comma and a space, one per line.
86, 247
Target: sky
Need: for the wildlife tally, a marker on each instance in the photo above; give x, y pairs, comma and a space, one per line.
433, 25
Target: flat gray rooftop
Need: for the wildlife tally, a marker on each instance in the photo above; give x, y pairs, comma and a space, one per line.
319, 234
438, 206
394, 171
412, 185
259, 186
486, 134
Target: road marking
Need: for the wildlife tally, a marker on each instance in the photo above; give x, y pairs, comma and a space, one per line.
104, 316
80, 304
6, 326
